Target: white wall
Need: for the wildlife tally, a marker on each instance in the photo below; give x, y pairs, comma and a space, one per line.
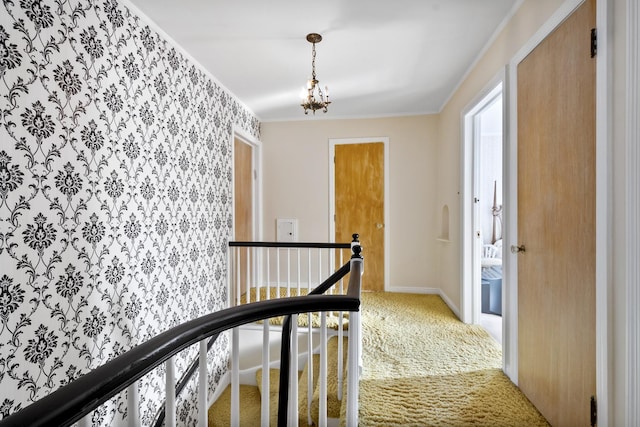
296, 185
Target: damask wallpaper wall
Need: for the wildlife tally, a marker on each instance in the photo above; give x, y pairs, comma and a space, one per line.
115, 197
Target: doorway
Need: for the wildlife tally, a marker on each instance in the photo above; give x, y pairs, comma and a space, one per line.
482, 216
358, 171
243, 190
246, 198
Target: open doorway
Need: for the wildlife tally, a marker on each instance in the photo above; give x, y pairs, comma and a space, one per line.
482, 217
247, 202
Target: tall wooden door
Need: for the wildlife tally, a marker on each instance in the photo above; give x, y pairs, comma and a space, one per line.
243, 205
359, 204
556, 222
243, 189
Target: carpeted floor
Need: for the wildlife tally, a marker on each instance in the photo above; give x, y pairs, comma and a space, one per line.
423, 367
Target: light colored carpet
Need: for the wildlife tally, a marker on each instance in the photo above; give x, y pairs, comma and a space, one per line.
423, 367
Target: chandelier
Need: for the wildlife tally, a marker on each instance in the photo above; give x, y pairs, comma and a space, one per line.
312, 96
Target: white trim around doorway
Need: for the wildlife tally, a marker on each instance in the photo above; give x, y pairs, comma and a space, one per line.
256, 145
632, 225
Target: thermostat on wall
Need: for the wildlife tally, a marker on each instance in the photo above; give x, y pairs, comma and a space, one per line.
286, 230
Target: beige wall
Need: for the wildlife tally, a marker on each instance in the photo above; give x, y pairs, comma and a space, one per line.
425, 166
529, 17
296, 185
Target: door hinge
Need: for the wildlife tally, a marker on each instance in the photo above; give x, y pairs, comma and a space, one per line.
255, 174
594, 42
594, 412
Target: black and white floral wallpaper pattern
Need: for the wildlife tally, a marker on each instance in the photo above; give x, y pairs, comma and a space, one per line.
115, 197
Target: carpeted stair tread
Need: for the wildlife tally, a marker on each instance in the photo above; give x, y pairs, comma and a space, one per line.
302, 389
303, 318
274, 391
219, 414
333, 403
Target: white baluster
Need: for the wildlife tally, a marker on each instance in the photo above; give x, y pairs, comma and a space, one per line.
277, 272
203, 386
298, 260
85, 421
268, 294
340, 356
293, 372
133, 405
235, 377
309, 346
353, 368
322, 413
170, 391
265, 374
288, 272
237, 269
247, 276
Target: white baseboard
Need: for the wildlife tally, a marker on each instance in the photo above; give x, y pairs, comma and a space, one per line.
413, 290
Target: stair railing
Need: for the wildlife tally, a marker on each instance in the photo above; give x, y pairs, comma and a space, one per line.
75, 401
266, 270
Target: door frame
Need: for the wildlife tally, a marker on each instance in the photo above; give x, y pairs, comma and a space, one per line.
332, 193
603, 206
256, 148
470, 284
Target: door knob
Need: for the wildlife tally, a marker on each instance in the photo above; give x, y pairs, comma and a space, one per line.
515, 249
379, 226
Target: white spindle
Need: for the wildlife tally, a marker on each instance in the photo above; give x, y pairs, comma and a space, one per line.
322, 380
170, 391
288, 272
340, 356
133, 405
277, 272
257, 279
203, 385
293, 372
319, 266
353, 361
85, 421
309, 272
253, 281
268, 294
235, 377
237, 270
265, 373
247, 275
309, 346
298, 261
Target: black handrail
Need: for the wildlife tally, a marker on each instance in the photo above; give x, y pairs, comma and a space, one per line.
72, 402
305, 245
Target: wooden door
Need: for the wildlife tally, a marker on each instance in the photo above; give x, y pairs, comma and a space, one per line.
243, 205
556, 222
243, 188
359, 204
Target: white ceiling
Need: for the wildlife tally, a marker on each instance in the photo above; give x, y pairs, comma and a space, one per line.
379, 58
